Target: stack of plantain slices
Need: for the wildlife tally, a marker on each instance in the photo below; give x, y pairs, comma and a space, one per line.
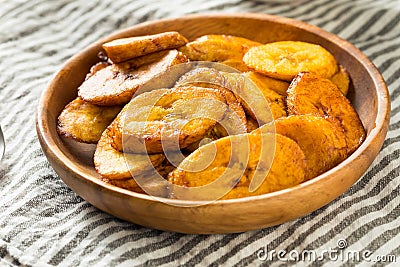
290, 94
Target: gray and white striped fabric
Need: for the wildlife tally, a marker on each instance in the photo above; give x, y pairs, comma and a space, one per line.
44, 223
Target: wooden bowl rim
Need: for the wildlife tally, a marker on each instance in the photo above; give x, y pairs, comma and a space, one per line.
381, 121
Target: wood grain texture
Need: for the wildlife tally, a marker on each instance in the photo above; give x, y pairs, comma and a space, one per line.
368, 94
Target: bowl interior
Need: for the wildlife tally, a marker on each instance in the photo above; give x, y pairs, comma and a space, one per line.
368, 92
362, 92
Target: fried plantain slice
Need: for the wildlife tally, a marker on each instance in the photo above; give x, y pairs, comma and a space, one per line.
263, 81
165, 168
212, 78
126, 183
283, 60
342, 80
96, 67
217, 48
168, 119
313, 95
275, 100
259, 102
237, 119
236, 64
117, 83
215, 133
123, 49
323, 145
84, 121
114, 165
252, 124
284, 172
147, 178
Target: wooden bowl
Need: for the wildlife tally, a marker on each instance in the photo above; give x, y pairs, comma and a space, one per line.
73, 162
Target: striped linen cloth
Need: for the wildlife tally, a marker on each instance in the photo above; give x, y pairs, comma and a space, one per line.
44, 223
